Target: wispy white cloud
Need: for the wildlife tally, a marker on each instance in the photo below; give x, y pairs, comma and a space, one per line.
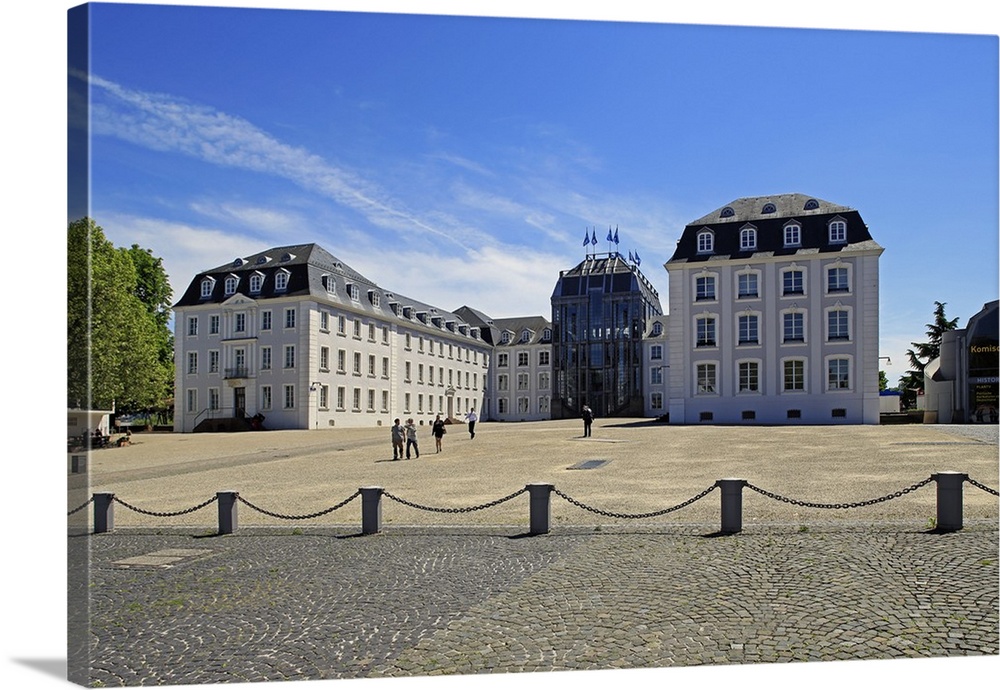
166, 123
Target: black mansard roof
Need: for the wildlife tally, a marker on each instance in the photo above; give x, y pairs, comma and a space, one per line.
314, 272
769, 215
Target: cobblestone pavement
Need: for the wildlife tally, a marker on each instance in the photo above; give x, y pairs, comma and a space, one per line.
269, 604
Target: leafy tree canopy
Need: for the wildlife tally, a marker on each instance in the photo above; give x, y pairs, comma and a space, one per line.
119, 342
921, 354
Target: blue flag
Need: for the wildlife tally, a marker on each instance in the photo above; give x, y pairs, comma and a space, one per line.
593, 239
586, 239
638, 261
610, 238
616, 236
630, 257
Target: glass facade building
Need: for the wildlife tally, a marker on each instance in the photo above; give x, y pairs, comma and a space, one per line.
600, 311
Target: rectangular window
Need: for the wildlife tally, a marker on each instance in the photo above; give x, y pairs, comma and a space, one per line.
543, 357
522, 382
793, 235
838, 231
371, 332
324, 321
656, 376
265, 397
192, 367
240, 323
371, 400
502, 384
748, 329
357, 329
341, 325
656, 352
747, 285
324, 359
838, 375
357, 364
523, 404
748, 415
837, 325
543, 404
705, 288
371, 365
192, 400
705, 327
836, 280
656, 401
706, 379
502, 405
408, 370
794, 378
290, 318
502, 359
324, 397
289, 397
265, 320
341, 398
749, 375
794, 331
192, 325
213, 361
357, 400
522, 359
385, 401
289, 356
792, 282
265, 357
385, 334
543, 381
213, 324
385, 367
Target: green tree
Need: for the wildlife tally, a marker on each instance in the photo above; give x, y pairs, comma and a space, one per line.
883, 381
115, 341
923, 353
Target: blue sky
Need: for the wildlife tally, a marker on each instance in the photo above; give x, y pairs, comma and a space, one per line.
460, 160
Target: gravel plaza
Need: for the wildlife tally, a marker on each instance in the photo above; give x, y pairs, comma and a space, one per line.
445, 593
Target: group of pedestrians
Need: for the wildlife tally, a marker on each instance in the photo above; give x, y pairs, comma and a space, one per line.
405, 435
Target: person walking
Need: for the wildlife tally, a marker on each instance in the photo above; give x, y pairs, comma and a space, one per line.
397, 440
471, 419
439, 431
588, 419
411, 438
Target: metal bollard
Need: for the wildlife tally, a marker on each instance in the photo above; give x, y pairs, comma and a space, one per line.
227, 511
732, 504
371, 509
949, 499
104, 513
540, 507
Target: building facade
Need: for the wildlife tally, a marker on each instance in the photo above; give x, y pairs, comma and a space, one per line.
656, 367
600, 311
774, 315
295, 335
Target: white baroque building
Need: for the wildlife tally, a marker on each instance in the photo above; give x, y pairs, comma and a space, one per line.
774, 315
295, 335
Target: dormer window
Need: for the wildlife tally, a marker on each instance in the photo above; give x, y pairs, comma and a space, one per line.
838, 231
657, 328
727, 212
811, 205
793, 235
231, 284
547, 334
281, 280
407, 312
256, 282
706, 242
285, 258
374, 298
207, 285
261, 260
395, 307
474, 332
748, 238
505, 337
450, 325
329, 284
353, 292
769, 208
237, 263
525, 335
436, 320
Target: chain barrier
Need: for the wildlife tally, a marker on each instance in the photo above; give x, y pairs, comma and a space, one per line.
174, 514
77, 510
982, 486
840, 506
299, 517
455, 510
657, 513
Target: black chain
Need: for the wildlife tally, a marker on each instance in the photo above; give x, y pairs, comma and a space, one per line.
77, 510
657, 513
300, 517
175, 514
454, 510
982, 486
859, 504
